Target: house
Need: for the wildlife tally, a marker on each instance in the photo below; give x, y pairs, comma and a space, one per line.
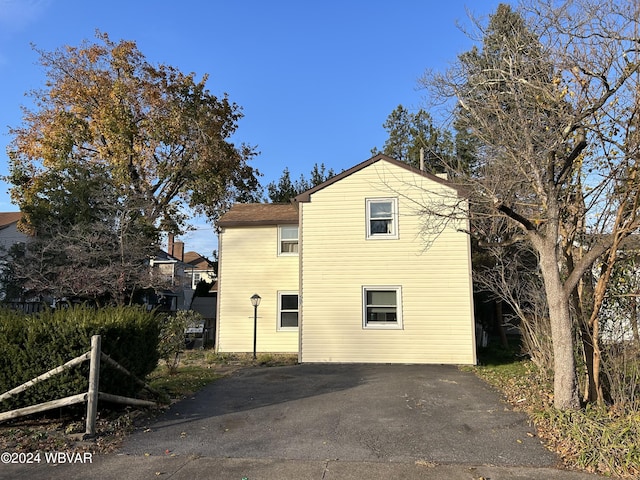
179, 272
258, 257
351, 271
169, 282
199, 268
9, 233
10, 236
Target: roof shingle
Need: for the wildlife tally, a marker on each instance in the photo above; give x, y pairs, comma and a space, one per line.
7, 218
247, 214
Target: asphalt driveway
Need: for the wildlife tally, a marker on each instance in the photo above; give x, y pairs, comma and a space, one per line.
350, 413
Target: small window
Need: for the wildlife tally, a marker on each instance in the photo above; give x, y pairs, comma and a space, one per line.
287, 310
382, 218
288, 240
382, 307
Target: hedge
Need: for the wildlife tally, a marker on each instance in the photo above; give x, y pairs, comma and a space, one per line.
34, 344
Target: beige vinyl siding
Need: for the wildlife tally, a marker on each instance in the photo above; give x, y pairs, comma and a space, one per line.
337, 260
250, 264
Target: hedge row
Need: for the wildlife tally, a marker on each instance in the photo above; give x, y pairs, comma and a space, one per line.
34, 344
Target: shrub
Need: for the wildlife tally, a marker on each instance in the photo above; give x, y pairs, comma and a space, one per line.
35, 344
595, 439
172, 336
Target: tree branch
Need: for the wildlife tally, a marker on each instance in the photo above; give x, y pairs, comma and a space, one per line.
512, 214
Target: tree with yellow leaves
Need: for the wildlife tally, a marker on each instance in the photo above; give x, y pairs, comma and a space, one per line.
142, 144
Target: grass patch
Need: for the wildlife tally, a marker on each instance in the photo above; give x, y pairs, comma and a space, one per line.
597, 440
187, 380
198, 368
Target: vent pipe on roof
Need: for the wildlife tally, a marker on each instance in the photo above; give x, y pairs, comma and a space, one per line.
422, 159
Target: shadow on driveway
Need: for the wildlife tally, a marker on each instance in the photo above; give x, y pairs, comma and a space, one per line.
350, 412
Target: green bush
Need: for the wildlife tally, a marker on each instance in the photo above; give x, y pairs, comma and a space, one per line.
33, 344
172, 336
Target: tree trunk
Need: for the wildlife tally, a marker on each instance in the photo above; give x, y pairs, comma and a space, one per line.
581, 298
590, 389
597, 362
600, 291
565, 384
499, 320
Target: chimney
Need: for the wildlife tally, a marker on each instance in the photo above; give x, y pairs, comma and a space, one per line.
178, 250
422, 159
170, 244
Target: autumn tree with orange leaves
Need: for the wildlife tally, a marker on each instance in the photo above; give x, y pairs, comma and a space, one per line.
118, 146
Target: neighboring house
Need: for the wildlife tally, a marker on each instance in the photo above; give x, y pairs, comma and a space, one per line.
349, 273
10, 236
179, 273
9, 233
176, 270
199, 268
619, 316
168, 271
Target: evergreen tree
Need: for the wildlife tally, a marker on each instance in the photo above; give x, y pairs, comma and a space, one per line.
410, 133
284, 190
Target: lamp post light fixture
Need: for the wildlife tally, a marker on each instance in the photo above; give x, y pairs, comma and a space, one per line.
255, 301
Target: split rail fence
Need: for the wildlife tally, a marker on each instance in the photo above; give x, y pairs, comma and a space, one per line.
91, 397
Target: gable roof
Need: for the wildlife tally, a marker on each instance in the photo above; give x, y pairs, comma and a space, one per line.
162, 256
306, 196
253, 214
7, 218
197, 260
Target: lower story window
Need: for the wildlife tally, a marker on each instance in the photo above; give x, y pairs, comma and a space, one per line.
287, 310
382, 307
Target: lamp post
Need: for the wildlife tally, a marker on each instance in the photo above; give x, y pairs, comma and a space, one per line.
255, 301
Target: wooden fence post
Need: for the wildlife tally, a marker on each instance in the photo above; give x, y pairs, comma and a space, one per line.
94, 383
91, 397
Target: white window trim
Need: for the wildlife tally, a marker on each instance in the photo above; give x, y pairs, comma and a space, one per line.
279, 326
287, 254
398, 325
394, 218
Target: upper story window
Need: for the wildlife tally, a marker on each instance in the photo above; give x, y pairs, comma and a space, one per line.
382, 218
288, 240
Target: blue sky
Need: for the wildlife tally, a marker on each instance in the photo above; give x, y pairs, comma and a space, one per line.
316, 79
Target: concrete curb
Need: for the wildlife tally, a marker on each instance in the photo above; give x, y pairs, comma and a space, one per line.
120, 467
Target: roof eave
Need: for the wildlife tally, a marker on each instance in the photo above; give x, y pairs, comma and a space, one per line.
254, 223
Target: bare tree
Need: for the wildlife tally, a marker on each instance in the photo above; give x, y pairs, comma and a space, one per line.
511, 275
551, 96
87, 240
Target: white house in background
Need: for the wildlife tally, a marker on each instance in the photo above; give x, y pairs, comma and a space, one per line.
9, 233
180, 273
199, 268
349, 273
